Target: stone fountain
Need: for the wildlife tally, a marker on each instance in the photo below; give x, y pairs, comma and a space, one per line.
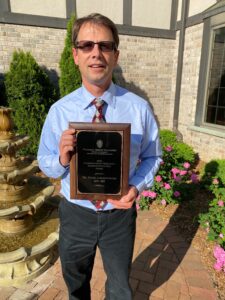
28, 221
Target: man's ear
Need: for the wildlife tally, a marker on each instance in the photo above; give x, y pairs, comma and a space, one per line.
75, 56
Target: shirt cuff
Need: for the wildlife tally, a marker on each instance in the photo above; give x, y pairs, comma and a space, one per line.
57, 167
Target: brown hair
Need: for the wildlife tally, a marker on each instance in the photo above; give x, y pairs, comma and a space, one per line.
98, 19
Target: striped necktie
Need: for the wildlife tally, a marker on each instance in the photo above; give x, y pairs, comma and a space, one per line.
98, 118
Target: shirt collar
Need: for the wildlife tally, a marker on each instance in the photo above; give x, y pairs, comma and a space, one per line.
108, 96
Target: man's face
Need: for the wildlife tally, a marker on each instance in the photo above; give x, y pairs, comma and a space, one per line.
96, 66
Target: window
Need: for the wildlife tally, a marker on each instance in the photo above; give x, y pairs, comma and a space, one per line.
215, 97
210, 109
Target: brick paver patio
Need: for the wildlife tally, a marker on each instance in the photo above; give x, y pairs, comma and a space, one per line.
165, 267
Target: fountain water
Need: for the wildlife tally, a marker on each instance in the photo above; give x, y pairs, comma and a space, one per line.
28, 222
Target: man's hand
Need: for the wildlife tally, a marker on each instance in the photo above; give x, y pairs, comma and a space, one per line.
66, 145
126, 201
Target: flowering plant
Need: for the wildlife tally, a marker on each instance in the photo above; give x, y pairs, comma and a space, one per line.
219, 254
213, 220
173, 181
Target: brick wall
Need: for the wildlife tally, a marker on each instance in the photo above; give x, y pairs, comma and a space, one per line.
208, 146
45, 44
147, 66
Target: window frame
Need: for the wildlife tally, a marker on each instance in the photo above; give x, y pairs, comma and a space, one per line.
210, 25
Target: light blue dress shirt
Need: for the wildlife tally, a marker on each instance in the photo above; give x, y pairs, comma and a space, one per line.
122, 107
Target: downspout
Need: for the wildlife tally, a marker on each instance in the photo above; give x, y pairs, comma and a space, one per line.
184, 14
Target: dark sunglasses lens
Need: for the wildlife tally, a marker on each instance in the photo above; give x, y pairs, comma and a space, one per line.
106, 46
87, 46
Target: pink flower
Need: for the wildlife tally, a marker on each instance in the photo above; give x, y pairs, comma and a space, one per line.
194, 178
218, 266
162, 162
186, 165
175, 171
163, 202
152, 195
167, 186
219, 254
221, 235
177, 178
220, 203
168, 148
144, 193
158, 178
215, 181
176, 194
183, 172
137, 206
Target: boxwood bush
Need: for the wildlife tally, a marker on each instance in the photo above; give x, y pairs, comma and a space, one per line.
181, 151
29, 93
214, 169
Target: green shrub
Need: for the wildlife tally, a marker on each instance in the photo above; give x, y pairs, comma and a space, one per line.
30, 93
181, 152
214, 169
167, 137
213, 220
175, 181
70, 78
26, 79
29, 116
184, 152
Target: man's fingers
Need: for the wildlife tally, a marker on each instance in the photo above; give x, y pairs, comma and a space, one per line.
121, 205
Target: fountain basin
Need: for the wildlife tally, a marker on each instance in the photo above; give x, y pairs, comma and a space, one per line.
24, 264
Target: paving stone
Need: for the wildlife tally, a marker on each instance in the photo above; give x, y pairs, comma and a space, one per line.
178, 277
134, 284
154, 298
198, 279
145, 287
5, 292
172, 291
171, 265
59, 283
50, 293
62, 295
95, 295
141, 275
99, 284
159, 291
200, 294
184, 297
28, 286
156, 272
140, 296
22, 295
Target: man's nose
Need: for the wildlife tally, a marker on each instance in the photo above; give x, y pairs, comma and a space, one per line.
96, 50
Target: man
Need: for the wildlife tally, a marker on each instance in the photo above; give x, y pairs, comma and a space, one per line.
83, 226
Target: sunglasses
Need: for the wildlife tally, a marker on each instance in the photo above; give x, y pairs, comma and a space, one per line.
88, 46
